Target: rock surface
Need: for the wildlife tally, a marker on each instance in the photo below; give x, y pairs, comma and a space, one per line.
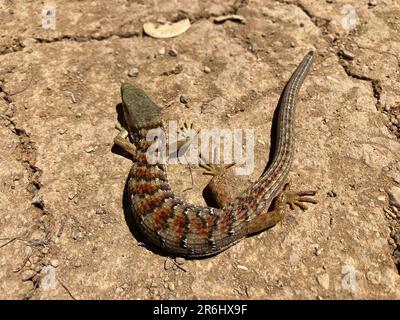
59, 92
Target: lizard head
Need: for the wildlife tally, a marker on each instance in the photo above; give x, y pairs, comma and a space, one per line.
139, 111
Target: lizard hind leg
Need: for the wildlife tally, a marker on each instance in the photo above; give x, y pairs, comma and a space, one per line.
277, 212
269, 217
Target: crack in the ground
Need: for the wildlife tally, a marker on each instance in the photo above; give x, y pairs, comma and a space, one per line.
375, 83
18, 43
27, 151
87, 38
317, 21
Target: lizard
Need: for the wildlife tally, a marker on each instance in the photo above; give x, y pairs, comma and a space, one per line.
191, 231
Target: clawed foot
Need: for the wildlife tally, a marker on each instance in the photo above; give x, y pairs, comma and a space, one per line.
122, 139
186, 134
215, 169
296, 198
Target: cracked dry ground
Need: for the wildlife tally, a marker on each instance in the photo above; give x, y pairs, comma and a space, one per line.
64, 234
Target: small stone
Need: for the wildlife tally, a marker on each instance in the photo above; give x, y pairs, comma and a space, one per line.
332, 193
242, 267
171, 286
207, 69
184, 99
55, 263
394, 196
101, 210
161, 51
347, 54
323, 280
318, 251
72, 195
372, 3
61, 131
119, 290
172, 52
37, 201
89, 149
133, 72
27, 275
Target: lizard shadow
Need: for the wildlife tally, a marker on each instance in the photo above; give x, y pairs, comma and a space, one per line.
133, 225
207, 193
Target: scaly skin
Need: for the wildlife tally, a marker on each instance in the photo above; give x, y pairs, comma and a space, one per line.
184, 229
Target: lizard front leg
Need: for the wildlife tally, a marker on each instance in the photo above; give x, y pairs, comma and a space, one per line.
122, 140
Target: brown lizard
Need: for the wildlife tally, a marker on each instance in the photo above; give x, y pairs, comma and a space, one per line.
184, 229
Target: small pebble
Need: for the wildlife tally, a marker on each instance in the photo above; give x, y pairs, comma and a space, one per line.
27, 275
133, 72
55, 263
89, 149
37, 201
242, 267
101, 210
119, 290
347, 54
394, 196
332, 193
172, 52
171, 286
372, 3
207, 69
184, 99
161, 51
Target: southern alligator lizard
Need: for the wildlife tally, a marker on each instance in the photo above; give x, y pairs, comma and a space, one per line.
184, 229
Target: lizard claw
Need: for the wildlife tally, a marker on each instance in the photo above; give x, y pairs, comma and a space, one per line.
296, 198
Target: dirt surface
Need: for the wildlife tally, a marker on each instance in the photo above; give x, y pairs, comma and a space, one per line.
63, 230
